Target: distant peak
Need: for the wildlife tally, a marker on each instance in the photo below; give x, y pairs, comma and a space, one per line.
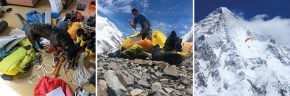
223, 10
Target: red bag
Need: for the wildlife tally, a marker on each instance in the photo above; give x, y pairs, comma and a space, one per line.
47, 84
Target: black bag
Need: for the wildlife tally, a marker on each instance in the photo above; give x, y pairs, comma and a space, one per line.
92, 79
173, 43
3, 25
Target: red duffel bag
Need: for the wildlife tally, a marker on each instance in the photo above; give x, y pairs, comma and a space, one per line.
47, 84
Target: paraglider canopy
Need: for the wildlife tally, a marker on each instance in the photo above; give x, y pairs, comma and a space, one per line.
248, 39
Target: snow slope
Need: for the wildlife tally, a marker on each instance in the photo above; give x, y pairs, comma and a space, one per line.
188, 36
108, 35
226, 65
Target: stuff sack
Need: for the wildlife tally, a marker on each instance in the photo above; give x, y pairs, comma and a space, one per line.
146, 44
56, 6
173, 43
47, 84
73, 30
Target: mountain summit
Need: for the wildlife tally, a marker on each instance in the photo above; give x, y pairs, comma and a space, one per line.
109, 36
231, 60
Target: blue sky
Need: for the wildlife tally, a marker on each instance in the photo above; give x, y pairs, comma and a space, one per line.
245, 8
164, 15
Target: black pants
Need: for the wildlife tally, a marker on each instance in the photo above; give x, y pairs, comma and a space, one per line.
147, 34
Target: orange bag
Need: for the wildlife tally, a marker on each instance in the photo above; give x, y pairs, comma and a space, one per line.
73, 30
146, 44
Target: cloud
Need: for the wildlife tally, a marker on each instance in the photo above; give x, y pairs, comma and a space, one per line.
112, 6
186, 26
278, 28
104, 10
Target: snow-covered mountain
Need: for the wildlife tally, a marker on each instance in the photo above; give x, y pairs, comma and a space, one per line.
188, 36
227, 64
108, 35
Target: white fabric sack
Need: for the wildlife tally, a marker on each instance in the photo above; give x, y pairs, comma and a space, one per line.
56, 6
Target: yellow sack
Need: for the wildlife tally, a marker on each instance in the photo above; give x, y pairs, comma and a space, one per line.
158, 37
186, 48
128, 40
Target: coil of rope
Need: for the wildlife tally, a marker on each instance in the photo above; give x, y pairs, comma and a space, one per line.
81, 74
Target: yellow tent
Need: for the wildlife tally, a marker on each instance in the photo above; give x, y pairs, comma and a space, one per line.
158, 37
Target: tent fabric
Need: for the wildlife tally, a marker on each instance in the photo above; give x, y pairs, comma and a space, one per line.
158, 37
47, 84
146, 44
249, 39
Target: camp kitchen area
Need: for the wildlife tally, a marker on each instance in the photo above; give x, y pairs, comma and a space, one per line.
47, 47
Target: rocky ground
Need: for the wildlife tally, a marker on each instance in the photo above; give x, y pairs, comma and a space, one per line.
123, 77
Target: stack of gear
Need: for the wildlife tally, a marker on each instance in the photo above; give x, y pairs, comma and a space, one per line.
91, 21
165, 49
74, 16
86, 40
135, 48
18, 60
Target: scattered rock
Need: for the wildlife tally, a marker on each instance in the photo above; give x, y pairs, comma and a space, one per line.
145, 70
142, 78
138, 61
103, 84
146, 76
137, 75
186, 81
155, 67
164, 81
158, 74
156, 86
168, 90
180, 87
114, 83
189, 91
171, 71
114, 66
144, 83
162, 64
136, 92
126, 80
102, 92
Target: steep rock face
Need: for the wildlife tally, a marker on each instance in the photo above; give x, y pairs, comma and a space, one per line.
226, 65
108, 35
